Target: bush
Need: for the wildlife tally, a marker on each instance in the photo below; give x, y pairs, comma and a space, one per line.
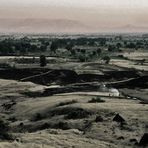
5, 65
78, 113
12, 119
32, 94
71, 112
4, 129
58, 125
82, 58
37, 117
67, 103
99, 119
62, 125
106, 59
96, 100
44, 126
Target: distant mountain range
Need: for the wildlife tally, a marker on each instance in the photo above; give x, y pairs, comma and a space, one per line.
133, 28
42, 25
59, 26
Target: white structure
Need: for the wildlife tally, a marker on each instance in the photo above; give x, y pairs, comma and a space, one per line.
110, 91
114, 92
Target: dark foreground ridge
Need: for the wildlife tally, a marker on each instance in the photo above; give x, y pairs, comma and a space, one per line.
47, 76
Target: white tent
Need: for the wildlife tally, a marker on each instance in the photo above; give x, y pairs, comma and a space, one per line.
111, 91
114, 92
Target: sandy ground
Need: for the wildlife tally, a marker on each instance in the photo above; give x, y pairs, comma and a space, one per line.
132, 61
129, 64
140, 54
56, 139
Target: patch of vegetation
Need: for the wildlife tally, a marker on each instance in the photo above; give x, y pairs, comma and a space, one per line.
122, 57
4, 131
62, 125
8, 105
50, 125
5, 65
71, 112
99, 119
12, 119
87, 126
32, 94
96, 100
37, 117
43, 126
78, 113
83, 58
106, 59
67, 103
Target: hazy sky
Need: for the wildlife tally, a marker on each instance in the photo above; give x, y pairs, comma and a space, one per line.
76, 3
94, 13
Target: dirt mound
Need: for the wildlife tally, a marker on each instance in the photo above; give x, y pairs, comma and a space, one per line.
40, 76
17, 74
140, 82
56, 76
93, 77
122, 74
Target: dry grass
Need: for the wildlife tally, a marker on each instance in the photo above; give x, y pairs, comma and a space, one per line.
67, 124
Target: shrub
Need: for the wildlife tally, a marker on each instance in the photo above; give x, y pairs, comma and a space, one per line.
4, 129
58, 125
5, 65
82, 58
37, 117
62, 125
96, 100
67, 103
44, 126
32, 94
78, 113
106, 59
12, 119
71, 112
99, 119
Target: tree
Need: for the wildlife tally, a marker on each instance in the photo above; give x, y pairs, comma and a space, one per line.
111, 48
69, 46
53, 47
73, 52
43, 61
141, 61
83, 58
106, 59
99, 51
102, 41
131, 45
118, 45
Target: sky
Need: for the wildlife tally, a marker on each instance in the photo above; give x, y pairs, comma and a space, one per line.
95, 15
